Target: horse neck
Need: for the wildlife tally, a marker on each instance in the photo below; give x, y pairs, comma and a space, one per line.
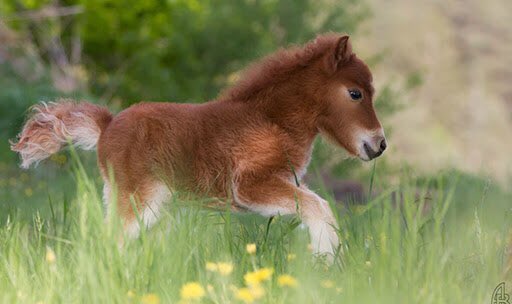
288, 106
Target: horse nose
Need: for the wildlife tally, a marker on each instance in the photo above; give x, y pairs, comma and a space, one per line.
383, 145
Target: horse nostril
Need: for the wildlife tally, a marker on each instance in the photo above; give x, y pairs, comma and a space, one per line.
383, 145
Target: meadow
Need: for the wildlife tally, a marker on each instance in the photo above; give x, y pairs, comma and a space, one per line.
427, 240
432, 225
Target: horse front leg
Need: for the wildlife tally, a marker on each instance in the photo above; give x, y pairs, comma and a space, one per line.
275, 195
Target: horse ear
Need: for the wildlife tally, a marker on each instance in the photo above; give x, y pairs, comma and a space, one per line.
342, 52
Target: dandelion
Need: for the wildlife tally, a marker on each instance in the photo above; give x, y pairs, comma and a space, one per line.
50, 256
60, 159
150, 298
249, 294
192, 291
211, 267
251, 248
291, 257
258, 276
257, 291
225, 268
29, 192
233, 77
245, 295
327, 284
130, 294
286, 280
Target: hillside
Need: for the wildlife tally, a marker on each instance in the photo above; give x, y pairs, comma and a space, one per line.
461, 115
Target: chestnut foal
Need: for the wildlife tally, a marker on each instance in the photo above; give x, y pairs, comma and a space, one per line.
247, 147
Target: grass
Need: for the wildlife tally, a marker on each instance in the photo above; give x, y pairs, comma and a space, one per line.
448, 249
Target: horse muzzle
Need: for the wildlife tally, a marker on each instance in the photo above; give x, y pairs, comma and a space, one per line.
372, 146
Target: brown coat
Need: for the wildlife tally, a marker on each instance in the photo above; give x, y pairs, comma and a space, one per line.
248, 147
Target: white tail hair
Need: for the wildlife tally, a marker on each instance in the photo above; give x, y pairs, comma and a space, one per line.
53, 125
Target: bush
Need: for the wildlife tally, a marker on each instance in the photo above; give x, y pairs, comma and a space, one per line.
180, 50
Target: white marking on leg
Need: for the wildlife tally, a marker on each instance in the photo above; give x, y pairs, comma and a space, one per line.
324, 238
149, 215
322, 225
315, 213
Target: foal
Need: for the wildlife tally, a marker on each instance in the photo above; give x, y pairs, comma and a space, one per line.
248, 147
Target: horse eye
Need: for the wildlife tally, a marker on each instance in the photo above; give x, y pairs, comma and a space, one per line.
355, 94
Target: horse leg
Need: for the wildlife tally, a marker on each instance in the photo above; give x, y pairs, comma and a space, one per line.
277, 196
138, 208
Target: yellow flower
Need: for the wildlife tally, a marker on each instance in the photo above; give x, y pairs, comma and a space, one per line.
327, 284
59, 158
368, 264
257, 291
225, 268
286, 280
291, 256
251, 248
50, 256
130, 294
249, 294
150, 298
192, 291
211, 266
245, 295
256, 277
233, 77
29, 192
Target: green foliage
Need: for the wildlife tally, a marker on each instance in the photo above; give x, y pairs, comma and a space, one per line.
17, 96
184, 50
15, 99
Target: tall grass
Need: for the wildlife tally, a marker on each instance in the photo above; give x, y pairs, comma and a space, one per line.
398, 248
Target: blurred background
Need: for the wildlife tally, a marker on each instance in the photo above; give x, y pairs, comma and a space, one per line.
442, 70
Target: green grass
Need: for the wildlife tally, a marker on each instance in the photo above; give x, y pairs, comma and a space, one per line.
452, 252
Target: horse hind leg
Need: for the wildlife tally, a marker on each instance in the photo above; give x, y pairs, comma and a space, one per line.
139, 208
147, 208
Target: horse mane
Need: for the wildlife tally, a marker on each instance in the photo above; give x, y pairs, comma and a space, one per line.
277, 67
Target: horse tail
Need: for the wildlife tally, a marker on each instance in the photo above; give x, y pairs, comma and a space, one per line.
52, 126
